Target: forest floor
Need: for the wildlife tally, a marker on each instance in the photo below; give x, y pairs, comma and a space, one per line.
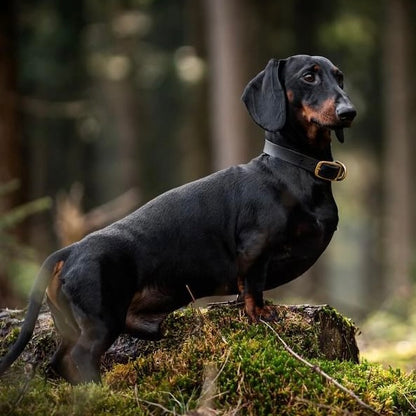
214, 362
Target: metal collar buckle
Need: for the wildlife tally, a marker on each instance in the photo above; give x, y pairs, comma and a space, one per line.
331, 174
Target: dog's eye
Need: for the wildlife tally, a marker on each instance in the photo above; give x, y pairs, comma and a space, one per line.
340, 80
309, 77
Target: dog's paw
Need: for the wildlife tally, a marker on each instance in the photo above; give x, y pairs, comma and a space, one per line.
265, 313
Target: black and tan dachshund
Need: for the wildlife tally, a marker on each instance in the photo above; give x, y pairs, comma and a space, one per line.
242, 230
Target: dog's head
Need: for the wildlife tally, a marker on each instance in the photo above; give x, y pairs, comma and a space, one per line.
306, 88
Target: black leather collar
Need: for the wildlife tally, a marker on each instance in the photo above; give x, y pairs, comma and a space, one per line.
323, 169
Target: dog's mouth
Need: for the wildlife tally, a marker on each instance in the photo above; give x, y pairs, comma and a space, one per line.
339, 124
337, 127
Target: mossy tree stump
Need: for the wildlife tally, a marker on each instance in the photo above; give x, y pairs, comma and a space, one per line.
213, 361
314, 332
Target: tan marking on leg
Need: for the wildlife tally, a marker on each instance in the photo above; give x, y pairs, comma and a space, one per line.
250, 307
255, 312
240, 284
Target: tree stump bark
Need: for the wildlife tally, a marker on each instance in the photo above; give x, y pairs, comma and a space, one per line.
313, 331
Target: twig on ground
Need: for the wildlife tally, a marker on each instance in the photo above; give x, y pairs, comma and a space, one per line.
138, 401
412, 405
198, 310
190, 293
319, 371
227, 303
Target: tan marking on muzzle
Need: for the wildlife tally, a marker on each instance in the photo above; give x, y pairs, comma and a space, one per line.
315, 120
325, 115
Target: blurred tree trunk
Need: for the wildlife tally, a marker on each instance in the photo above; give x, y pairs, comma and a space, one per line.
10, 155
397, 164
228, 28
124, 106
119, 105
194, 137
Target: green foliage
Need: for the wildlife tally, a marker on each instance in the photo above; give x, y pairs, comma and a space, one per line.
389, 335
20, 213
254, 376
16, 259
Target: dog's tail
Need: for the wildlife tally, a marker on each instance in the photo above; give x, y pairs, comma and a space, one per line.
35, 303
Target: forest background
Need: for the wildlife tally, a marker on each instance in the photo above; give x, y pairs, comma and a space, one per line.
106, 104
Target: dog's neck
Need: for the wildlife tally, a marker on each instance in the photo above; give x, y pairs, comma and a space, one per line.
318, 149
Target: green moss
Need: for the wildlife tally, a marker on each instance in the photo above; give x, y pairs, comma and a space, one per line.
255, 376
8, 337
43, 398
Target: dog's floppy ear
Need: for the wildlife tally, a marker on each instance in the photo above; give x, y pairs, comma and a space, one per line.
264, 97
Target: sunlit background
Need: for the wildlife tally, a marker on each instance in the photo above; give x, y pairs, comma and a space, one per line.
106, 104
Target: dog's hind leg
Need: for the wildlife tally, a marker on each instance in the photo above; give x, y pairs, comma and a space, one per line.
61, 363
78, 360
96, 337
84, 340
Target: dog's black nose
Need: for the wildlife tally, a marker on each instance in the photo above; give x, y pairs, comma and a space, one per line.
346, 112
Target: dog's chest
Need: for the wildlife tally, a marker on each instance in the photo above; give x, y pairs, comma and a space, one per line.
308, 231
311, 224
